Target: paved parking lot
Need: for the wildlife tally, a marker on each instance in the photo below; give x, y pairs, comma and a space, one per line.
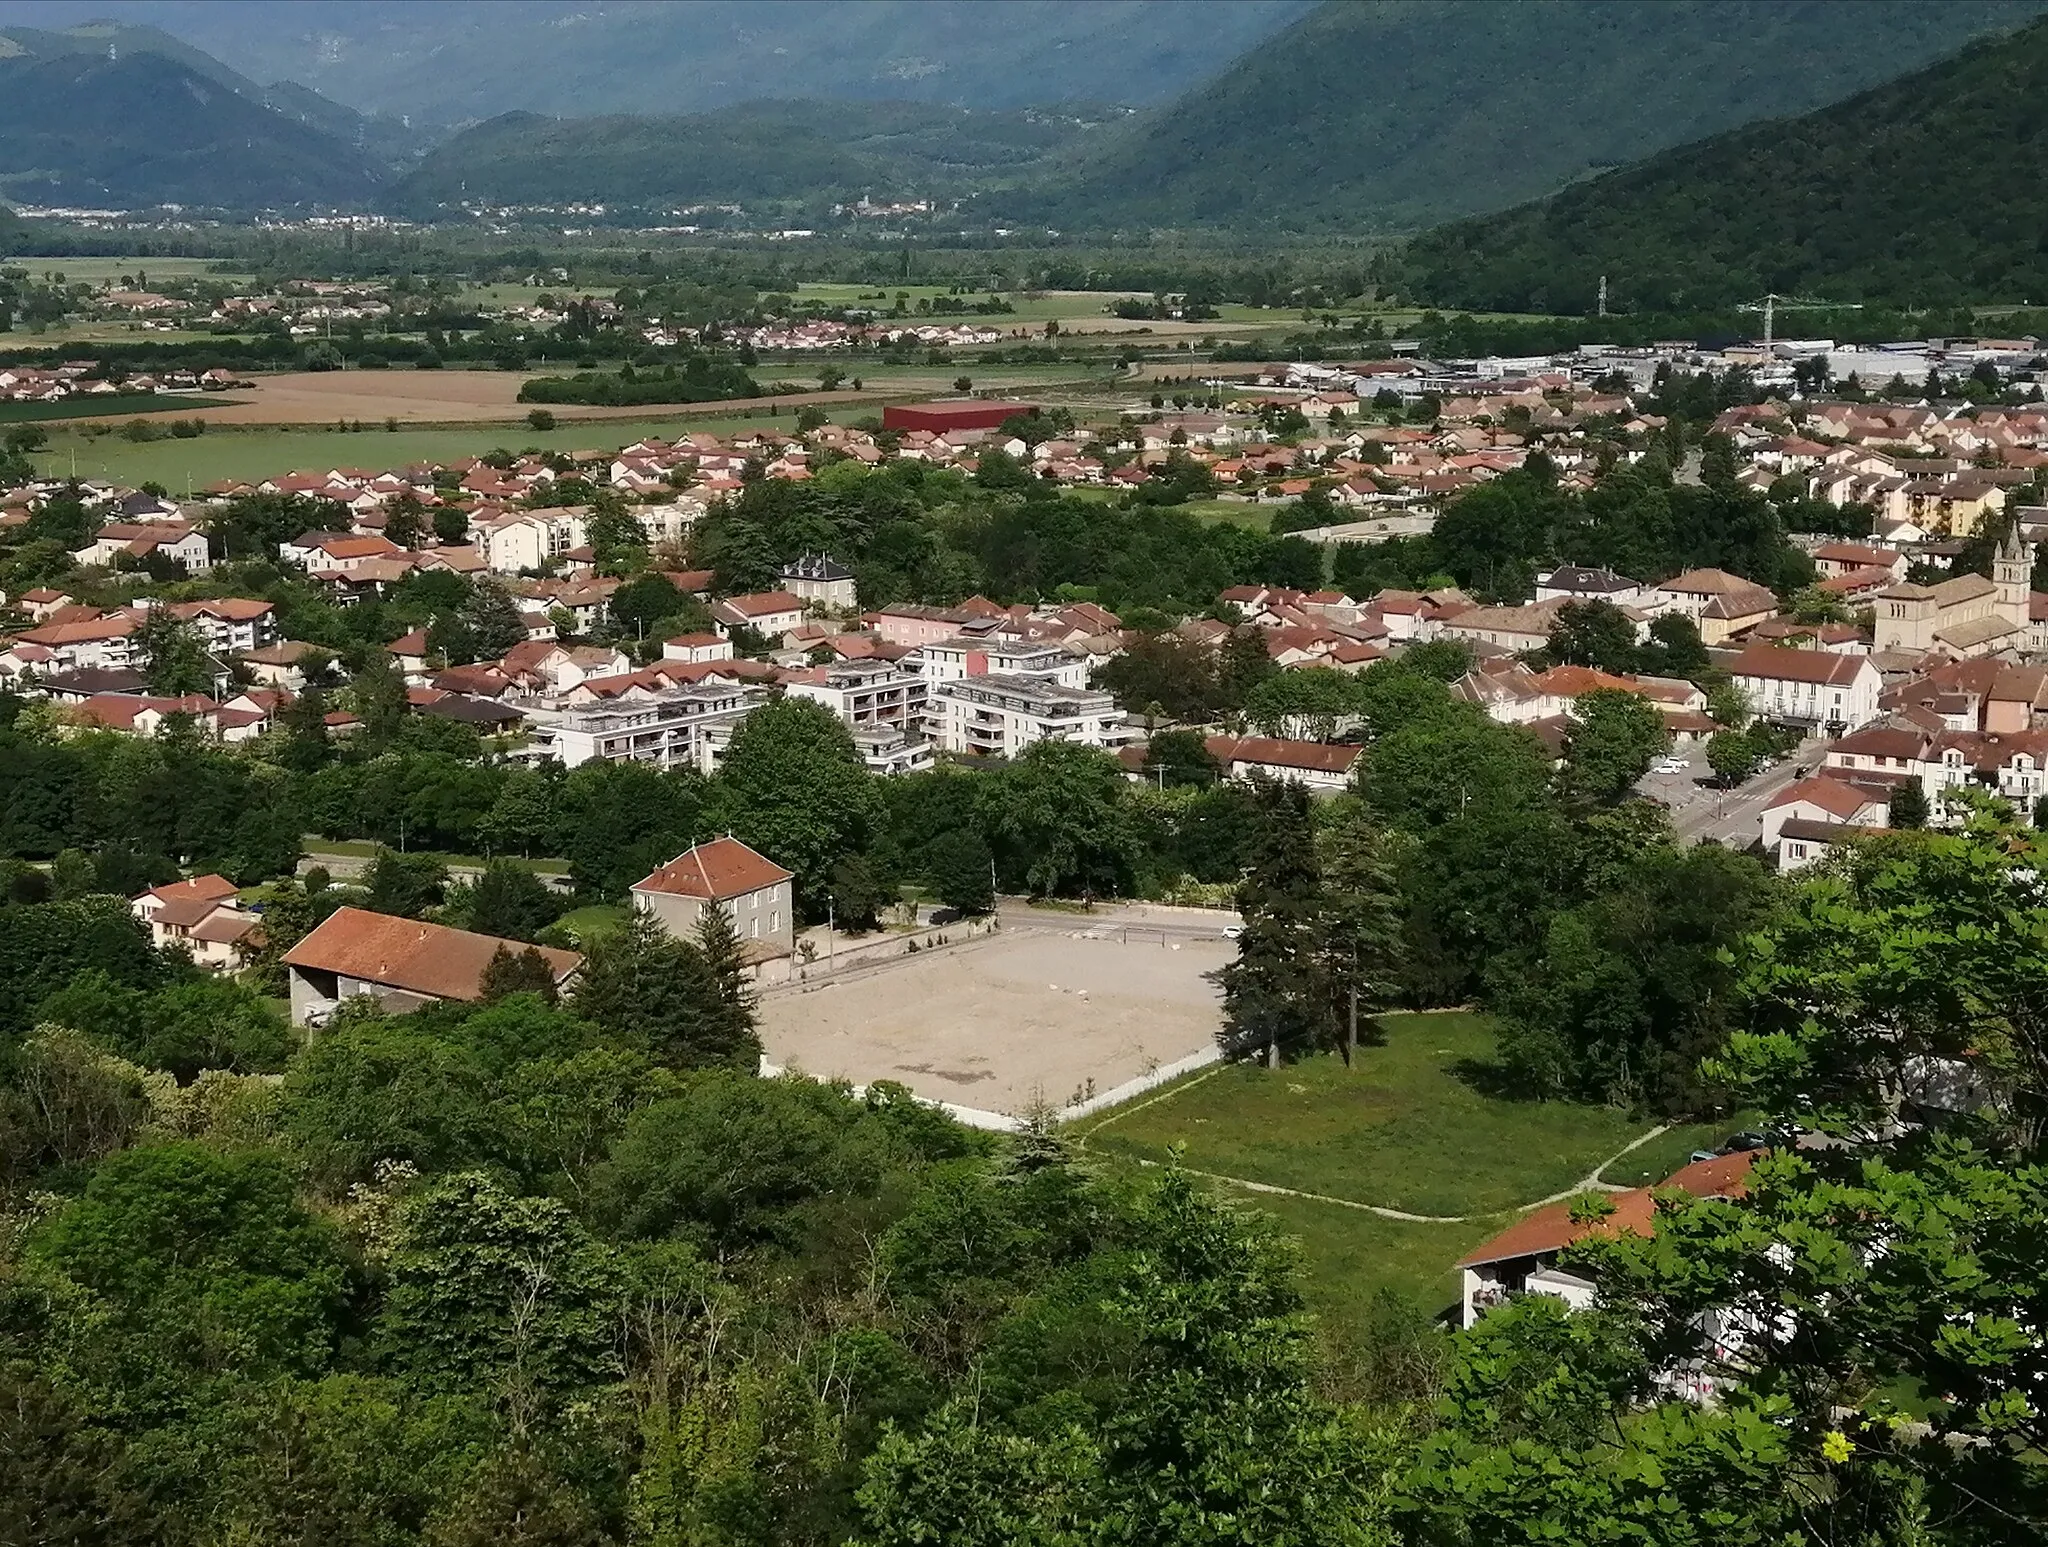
1700, 809
1030, 1015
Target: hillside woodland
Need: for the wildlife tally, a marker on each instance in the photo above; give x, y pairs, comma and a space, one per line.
1920, 192
755, 151
79, 128
1395, 115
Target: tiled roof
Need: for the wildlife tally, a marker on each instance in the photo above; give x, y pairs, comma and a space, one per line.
720, 869
1819, 666
1271, 752
408, 954
1552, 1228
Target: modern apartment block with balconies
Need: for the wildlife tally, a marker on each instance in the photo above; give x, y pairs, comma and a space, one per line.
867, 693
686, 728
1000, 716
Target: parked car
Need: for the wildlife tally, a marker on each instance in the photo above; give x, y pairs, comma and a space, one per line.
1232, 931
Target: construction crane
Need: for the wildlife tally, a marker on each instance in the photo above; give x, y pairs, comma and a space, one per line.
1771, 305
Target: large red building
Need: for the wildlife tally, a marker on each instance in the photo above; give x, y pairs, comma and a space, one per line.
958, 414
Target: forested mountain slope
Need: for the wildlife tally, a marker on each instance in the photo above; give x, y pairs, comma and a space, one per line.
1403, 112
769, 150
142, 128
1925, 191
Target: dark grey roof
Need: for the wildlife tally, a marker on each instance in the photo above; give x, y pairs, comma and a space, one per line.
1575, 577
88, 680
818, 567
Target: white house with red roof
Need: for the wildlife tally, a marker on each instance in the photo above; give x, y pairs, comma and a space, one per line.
771, 614
1809, 687
200, 916
1523, 1259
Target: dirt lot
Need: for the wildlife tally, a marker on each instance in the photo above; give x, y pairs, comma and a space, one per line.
1026, 1016
446, 397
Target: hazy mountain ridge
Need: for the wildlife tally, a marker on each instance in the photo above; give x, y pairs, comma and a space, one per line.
448, 64
142, 128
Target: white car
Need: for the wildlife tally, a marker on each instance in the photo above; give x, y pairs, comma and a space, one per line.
1232, 931
1669, 765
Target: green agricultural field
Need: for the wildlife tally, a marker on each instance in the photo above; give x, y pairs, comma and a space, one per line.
78, 332
94, 270
1041, 308
1416, 1127
108, 408
253, 452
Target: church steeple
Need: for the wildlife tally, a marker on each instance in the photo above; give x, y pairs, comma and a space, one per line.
2012, 571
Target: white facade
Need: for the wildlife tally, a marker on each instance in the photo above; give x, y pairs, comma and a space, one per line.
529, 540
1800, 688
869, 693
1000, 716
682, 729
951, 660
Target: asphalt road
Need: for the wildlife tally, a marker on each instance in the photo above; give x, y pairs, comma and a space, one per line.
1731, 817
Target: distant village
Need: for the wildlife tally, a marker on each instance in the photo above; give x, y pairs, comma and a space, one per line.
1928, 683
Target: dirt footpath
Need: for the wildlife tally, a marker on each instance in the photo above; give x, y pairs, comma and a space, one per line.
1024, 1017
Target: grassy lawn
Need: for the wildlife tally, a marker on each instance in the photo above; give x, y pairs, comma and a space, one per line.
1668, 1151
1410, 1128
1413, 1127
258, 451
360, 848
93, 270
597, 919
1348, 1255
1239, 513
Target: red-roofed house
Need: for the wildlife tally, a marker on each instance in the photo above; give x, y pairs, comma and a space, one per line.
1809, 687
200, 915
1314, 765
753, 890
768, 613
1828, 797
1522, 1259
404, 963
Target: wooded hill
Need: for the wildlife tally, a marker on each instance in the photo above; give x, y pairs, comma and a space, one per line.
1397, 114
142, 128
1927, 191
757, 151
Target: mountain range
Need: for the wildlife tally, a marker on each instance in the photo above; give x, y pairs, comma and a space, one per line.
1689, 149
79, 128
446, 63
1925, 191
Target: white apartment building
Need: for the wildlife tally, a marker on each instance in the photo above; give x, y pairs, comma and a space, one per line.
668, 523
889, 749
1809, 687
138, 540
230, 625
869, 693
1001, 715
950, 660
529, 539
686, 728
